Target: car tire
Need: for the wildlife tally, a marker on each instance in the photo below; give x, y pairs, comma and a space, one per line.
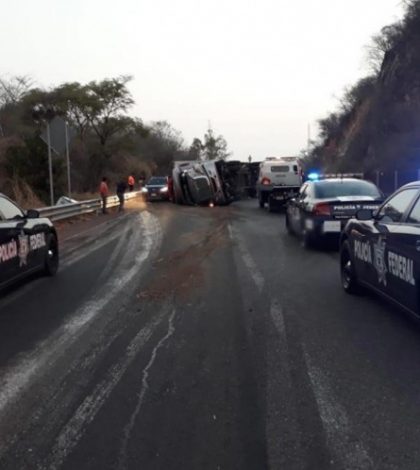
347, 273
52, 256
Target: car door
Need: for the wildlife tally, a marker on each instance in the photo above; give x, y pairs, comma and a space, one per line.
387, 249
403, 259
10, 217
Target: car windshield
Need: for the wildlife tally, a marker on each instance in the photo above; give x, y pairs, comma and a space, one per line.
331, 189
157, 180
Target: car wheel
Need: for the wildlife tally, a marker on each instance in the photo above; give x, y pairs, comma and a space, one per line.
348, 274
52, 256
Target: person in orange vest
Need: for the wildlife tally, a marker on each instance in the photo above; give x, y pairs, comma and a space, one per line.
103, 190
131, 182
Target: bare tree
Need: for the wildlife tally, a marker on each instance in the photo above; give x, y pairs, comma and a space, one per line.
381, 44
12, 90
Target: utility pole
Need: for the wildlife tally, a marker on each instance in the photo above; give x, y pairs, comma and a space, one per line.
68, 161
50, 170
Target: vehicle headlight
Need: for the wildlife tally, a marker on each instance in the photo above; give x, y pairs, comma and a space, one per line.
144, 190
164, 190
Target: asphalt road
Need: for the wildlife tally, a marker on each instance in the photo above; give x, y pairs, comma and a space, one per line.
196, 338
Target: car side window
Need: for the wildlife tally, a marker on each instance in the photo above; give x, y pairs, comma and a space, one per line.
395, 208
414, 217
8, 210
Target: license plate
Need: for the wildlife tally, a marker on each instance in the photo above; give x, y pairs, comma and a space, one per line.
332, 226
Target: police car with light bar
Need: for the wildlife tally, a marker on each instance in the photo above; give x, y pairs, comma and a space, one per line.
28, 243
380, 249
323, 207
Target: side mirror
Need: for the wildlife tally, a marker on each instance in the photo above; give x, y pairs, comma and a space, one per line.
365, 214
32, 214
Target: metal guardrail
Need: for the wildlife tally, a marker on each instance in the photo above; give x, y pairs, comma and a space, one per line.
66, 211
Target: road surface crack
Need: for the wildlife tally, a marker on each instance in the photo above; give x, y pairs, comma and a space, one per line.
144, 388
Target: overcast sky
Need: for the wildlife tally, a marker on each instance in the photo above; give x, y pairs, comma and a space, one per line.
258, 70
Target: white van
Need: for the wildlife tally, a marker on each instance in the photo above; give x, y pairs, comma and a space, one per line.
279, 179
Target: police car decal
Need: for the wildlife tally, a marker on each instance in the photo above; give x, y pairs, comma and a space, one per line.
379, 260
21, 247
8, 251
374, 254
401, 267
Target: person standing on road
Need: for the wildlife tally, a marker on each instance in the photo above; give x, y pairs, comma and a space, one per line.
103, 190
121, 188
131, 182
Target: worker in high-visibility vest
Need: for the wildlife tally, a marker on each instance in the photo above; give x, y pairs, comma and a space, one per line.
131, 182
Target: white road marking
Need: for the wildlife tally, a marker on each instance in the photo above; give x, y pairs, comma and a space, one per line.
276, 314
249, 262
74, 430
144, 388
278, 388
29, 367
342, 440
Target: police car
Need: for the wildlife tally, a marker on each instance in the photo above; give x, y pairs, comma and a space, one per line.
381, 249
28, 243
323, 207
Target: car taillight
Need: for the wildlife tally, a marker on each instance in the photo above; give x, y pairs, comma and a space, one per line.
266, 181
322, 208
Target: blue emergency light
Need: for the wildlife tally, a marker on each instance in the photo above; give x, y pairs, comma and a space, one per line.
314, 176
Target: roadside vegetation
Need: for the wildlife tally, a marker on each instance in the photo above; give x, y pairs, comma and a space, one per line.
108, 140
376, 127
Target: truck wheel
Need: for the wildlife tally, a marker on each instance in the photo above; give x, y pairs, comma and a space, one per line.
348, 274
51, 256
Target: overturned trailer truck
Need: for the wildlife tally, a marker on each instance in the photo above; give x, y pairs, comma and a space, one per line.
209, 182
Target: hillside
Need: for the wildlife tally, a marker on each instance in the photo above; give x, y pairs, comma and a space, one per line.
377, 128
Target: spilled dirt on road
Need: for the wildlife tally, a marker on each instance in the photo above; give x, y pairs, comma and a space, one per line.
182, 272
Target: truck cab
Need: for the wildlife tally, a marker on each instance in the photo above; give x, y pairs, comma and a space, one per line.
279, 179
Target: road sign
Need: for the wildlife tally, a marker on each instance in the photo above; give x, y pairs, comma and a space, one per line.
58, 135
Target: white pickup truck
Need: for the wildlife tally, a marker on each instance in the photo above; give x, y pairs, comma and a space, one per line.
280, 179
